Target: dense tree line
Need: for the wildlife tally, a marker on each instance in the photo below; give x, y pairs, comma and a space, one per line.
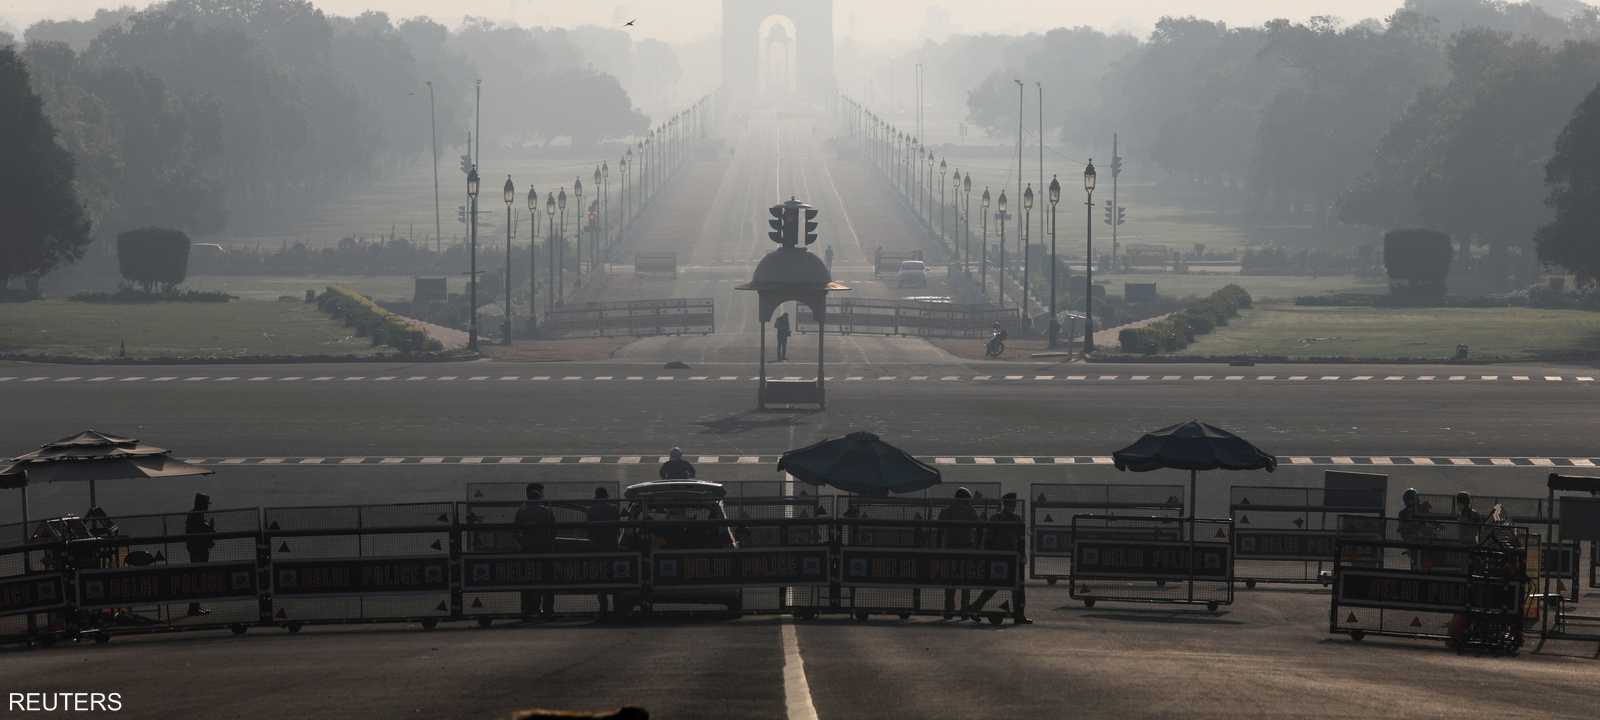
206, 115
42, 225
1441, 116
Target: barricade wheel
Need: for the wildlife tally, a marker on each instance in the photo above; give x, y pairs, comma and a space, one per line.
238, 628
1211, 607
1051, 581
1250, 584
485, 622
101, 638
1088, 603
862, 615
997, 619
1356, 635
292, 627
429, 623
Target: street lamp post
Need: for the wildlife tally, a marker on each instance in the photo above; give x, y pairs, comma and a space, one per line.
955, 195
1027, 210
533, 262
550, 244
1055, 197
1088, 263
472, 268
983, 262
942, 207
433, 125
577, 231
597, 225
966, 223
510, 191
1000, 281
927, 204
605, 205
561, 248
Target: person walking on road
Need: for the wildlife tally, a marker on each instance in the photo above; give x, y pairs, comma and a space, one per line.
782, 326
677, 468
957, 538
827, 257
536, 534
604, 537
1004, 535
199, 530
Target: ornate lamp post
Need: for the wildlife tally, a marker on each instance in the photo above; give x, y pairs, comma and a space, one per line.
510, 195
561, 248
983, 263
472, 269
533, 262
577, 230
1000, 283
966, 189
1027, 210
598, 224
1055, 325
550, 213
1088, 265
942, 207
605, 203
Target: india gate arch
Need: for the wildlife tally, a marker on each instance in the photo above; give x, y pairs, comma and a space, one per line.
813, 38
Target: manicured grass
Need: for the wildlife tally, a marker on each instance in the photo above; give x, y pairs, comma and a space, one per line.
1260, 287
271, 287
61, 327
1491, 333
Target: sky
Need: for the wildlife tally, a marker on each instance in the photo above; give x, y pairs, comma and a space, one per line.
891, 22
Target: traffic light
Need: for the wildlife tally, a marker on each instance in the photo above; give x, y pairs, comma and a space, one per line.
461, 214
1108, 212
776, 223
1122, 215
1116, 165
811, 225
466, 163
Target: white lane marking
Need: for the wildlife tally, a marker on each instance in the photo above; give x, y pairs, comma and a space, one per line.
1297, 377
101, 378
386, 378
1343, 460
1425, 378
1582, 462
603, 377
1300, 460
700, 377
1585, 378
228, 378
197, 378
925, 377
69, 378
1520, 378
664, 377
1233, 377
1266, 377
1330, 377
629, 460
291, 378
1362, 377
1173, 377
1552, 378
1044, 377
8, 378
503, 378
851, 378
1137, 377
42, 378
1489, 377
572, 377
1108, 377
1392, 378
887, 377
355, 378
322, 378
1500, 461
1421, 461
435, 460
415, 378
950, 378
1202, 377
540, 378
944, 461
447, 377
796, 691
311, 461
474, 378
1457, 378
735, 378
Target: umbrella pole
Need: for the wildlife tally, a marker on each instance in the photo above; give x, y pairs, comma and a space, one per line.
91, 494
1193, 500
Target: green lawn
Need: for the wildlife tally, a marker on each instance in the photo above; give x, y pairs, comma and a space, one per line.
1493, 333
61, 327
1260, 287
271, 287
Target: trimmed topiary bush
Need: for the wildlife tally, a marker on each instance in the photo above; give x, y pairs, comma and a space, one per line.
371, 321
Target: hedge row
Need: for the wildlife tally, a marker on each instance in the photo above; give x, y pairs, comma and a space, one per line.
131, 295
1176, 331
369, 320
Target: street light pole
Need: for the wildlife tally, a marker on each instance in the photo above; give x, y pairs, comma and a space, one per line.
1055, 325
472, 268
1027, 212
1000, 282
510, 197
577, 231
966, 224
533, 263
433, 125
983, 263
561, 249
550, 245
1088, 264
943, 208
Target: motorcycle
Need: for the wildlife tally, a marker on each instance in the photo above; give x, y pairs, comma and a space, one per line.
997, 344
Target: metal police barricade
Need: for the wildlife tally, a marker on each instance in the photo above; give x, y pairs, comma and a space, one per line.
753, 555
361, 563
556, 557
1466, 583
932, 556
1579, 519
1560, 559
1185, 561
489, 493
173, 571
1286, 534
1054, 504
34, 584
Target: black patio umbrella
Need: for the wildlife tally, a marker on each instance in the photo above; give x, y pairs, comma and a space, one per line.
860, 463
91, 456
1192, 446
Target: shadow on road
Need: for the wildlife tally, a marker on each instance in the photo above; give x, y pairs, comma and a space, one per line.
754, 420
1147, 616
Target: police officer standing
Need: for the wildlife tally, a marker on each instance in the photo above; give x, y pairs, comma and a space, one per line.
537, 535
602, 538
676, 468
957, 537
1005, 534
199, 529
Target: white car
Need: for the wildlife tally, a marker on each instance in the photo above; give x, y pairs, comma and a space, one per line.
913, 273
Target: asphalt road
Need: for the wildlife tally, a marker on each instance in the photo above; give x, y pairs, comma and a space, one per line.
1267, 656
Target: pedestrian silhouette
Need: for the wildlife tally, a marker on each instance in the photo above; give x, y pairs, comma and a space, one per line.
677, 468
537, 534
782, 326
199, 529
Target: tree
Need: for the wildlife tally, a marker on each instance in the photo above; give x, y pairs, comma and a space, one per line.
42, 223
1418, 262
1572, 240
154, 256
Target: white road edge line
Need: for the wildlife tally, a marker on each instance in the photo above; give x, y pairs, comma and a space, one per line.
796, 691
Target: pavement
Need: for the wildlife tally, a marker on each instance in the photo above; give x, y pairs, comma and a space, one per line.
361, 433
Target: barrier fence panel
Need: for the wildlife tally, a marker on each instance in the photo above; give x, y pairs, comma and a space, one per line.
570, 561
655, 263
1561, 560
917, 318
1152, 560
358, 563
778, 559
1287, 534
173, 570
940, 556
34, 585
636, 318
1054, 504
1432, 579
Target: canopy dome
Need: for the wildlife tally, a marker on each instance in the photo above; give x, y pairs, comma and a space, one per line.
791, 266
